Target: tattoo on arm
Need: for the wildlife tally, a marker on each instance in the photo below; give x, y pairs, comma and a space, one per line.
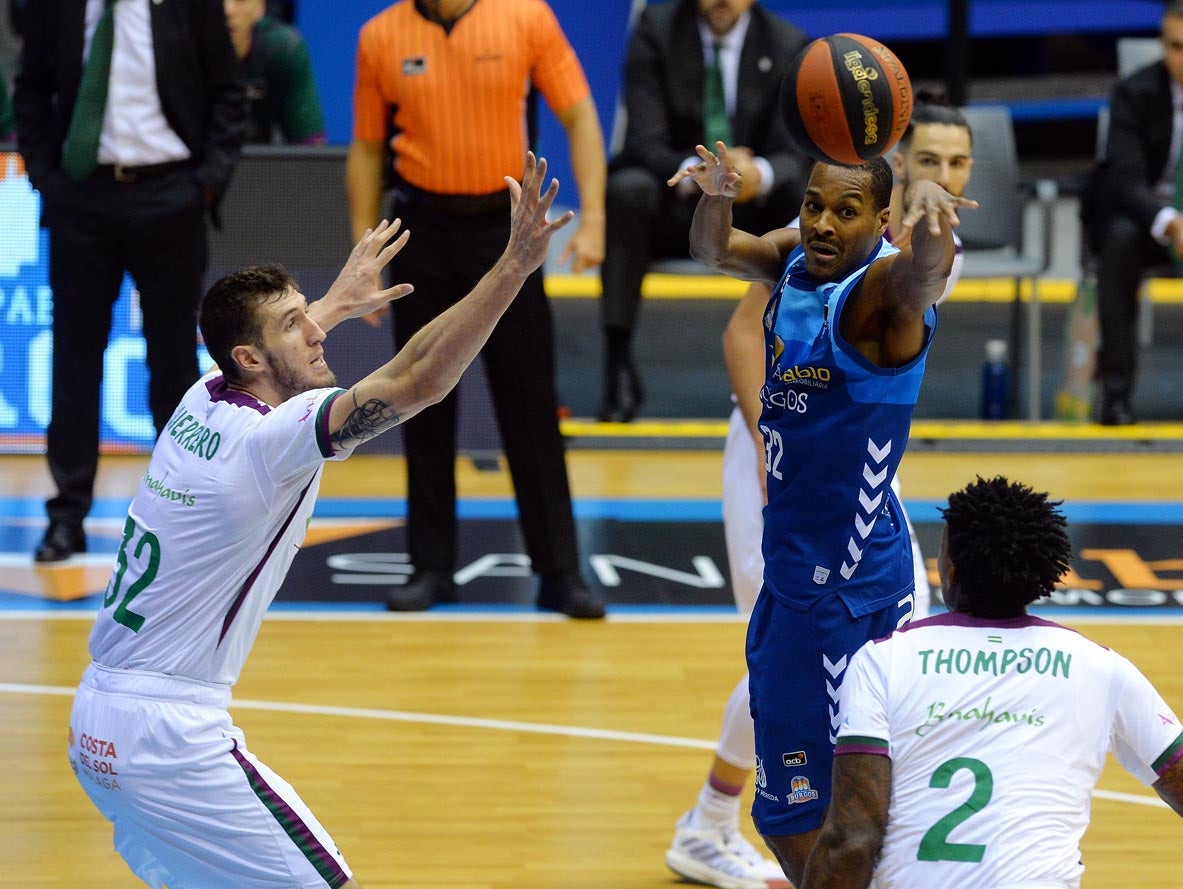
365, 421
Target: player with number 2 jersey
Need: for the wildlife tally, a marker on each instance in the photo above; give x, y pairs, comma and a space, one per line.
979, 717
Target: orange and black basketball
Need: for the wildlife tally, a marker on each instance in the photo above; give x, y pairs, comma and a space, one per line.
846, 99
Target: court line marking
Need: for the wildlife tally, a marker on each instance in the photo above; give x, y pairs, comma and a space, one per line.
1134, 798
507, 725
368, 612
108, 514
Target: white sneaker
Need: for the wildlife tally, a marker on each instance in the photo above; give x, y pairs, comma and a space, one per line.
721, 857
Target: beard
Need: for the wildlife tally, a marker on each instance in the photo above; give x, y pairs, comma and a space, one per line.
292, 379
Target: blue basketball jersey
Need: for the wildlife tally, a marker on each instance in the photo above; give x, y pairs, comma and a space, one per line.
835, 426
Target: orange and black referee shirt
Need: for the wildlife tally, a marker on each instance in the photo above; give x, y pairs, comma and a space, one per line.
458, 100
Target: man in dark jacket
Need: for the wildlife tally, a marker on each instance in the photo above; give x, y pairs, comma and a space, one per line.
1133, 214
130, 118
676, 98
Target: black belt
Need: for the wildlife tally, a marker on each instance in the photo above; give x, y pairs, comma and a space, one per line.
451, 204
122, 173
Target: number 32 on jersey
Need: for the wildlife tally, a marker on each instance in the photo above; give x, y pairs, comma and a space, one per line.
774, 445
148, 546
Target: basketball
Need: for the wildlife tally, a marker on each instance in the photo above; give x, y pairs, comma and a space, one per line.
846, 99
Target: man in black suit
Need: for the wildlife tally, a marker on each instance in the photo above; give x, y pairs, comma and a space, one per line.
168, 137
668, 65
1131, 212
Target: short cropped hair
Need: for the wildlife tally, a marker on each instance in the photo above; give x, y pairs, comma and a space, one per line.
931, 108
881, 181
1008, 543
229, 313
880, 174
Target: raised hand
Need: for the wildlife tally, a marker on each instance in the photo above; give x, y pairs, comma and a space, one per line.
358, 291
925, 200
529, 229
716, 175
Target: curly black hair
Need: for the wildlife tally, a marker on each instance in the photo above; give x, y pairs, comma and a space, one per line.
1008, 543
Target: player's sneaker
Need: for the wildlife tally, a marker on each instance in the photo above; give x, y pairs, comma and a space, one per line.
721, 857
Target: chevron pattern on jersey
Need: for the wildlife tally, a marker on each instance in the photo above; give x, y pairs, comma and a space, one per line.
833, 688
870, 498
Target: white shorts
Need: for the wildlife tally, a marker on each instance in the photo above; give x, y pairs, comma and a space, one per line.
192, 807
743, 512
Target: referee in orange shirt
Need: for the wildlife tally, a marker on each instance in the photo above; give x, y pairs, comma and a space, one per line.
449, 79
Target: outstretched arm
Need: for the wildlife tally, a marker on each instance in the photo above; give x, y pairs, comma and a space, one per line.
884, 317
713, 240
850, 840
917, 279
430, 365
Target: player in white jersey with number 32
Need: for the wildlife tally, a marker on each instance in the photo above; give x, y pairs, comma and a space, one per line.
971, 742
212, 530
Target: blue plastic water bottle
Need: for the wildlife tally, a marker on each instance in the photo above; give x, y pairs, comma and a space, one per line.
995, 382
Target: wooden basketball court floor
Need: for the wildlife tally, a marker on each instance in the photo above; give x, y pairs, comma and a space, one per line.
496, 747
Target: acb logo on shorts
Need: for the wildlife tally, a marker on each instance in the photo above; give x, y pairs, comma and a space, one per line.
794, 759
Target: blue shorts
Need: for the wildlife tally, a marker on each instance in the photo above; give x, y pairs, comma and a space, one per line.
797, 660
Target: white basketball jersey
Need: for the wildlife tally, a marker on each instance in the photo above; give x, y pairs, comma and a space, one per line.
212, 530
997, 732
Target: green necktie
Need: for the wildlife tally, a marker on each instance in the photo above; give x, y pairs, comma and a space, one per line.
716, 125
80, 153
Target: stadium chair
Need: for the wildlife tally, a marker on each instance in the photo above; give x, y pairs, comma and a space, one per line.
993, 235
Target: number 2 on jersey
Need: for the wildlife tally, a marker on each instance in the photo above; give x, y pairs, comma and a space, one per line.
123, 613
935, 845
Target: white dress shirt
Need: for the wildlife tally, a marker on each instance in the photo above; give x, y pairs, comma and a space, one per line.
730, 48
135, 131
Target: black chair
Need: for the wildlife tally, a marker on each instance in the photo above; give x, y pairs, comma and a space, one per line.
994, 238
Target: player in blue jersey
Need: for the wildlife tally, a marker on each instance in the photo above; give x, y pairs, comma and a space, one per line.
708, 845
847, 332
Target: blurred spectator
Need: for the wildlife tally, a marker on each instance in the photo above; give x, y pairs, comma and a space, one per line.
1132, 211
450, 78
695, 71
278, 75
130, 117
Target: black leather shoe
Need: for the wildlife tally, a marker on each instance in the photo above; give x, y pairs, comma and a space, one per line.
61, 541
1115, 411
623, 395
569, 595
424, 589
